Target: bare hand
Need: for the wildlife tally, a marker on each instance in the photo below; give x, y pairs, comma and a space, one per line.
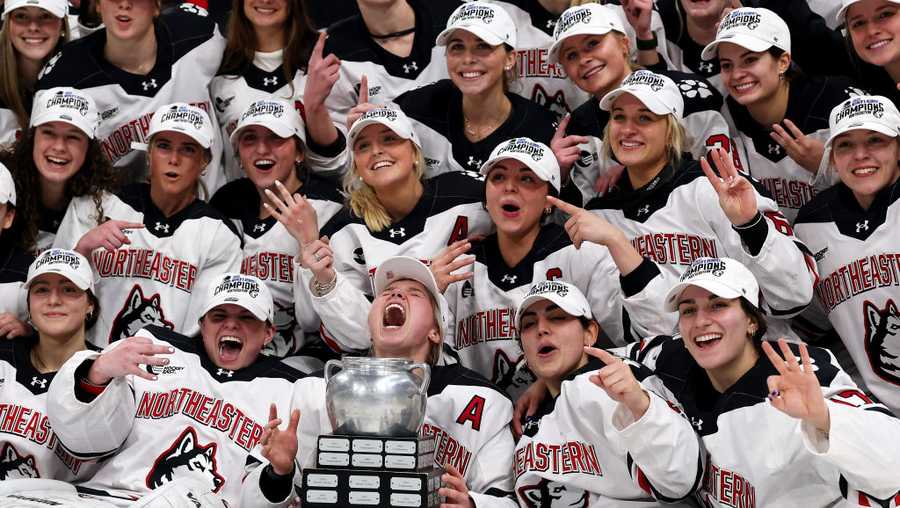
527, 404
608, 180
322, 73
295, 213
638, 13
318, 257
11, 327
804, 150
619, 382
362, 105
109, 235
279, 447
449, 260
455, 491
126, 359
565, 148
736, 194
796, 390
584, 226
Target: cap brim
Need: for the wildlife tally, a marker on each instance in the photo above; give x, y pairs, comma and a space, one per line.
402, 268
870, 126
553, 54
561, 302
59, 13
79, 282
280, 130
476, 30
713, 286
201, 140
648, 98
710, 52
524, 159
49, 117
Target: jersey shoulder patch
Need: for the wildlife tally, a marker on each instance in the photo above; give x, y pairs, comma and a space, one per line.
698, 93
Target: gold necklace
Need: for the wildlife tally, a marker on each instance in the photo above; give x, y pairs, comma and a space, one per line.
39, 365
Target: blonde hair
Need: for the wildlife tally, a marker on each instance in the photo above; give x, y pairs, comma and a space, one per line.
12, 90
675, 141
363, 201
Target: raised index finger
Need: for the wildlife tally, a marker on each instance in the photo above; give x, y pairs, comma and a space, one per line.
363, 90
121, 224
602, 355
569, 208
294, 422
561, 128
776, 360
319, 48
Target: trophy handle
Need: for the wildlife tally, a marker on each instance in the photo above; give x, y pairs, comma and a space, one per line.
329, 368
426, 375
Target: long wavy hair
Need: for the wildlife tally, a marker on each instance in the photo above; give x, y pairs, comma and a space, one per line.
12, 89
95, 177
242, 42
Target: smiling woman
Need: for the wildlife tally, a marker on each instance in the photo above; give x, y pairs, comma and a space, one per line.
182, 242
32, 32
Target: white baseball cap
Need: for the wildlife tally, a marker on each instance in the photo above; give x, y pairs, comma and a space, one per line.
405, 267
392, 118
489, 22
756, 29
845, 4
659, 93
65, 104
276, 115
184, 118
242, 290
723, 277
58, 8
538, 157
566, 296
67, 263
7, 187
587, 19
869, 112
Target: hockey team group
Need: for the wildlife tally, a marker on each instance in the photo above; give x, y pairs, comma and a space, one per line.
650, 249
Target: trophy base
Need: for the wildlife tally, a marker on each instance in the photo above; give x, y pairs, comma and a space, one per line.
342, 451
330, 488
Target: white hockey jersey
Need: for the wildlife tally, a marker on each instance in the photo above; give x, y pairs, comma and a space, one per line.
468, 418
14, 264
437, 116
153, 279
195, 420
388, 75
758, 456
858, 290
269, 252
483, 334
809, 103
29, 447
676, 218
703, 123
264, 79
189, 49
449, 209
584, 449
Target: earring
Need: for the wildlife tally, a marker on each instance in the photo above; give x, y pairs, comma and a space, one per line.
548, 210
781, 76
508, 68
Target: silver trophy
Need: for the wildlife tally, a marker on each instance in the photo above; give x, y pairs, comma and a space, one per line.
375, 456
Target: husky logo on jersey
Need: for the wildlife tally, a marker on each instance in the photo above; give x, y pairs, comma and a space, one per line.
860, 106
485, 14
549, 494
238, 284
138, 312
222, 104
186, 457
883, 340
69, 100
58, 256
709, 265
285, 323
509, 374
359, 256
14, 466
48, 67
570, 19
750, 20
692, 88
260, 108
523, 146
181, 114
644, 78
555, 103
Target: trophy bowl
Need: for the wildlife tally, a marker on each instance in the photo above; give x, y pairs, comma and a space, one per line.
376, 396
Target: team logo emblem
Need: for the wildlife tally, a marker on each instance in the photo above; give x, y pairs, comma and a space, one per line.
15, 466
285, 323
138, 312
554, 102
692, 88
510, 375
883, 340
48, 67
186, 457
222, 104
552, 494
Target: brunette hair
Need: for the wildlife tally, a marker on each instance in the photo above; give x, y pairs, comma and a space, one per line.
95, 177
756, 315
242, 42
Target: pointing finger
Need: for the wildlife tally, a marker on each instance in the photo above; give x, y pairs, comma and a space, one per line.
363, 90
568, 208
602, 355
